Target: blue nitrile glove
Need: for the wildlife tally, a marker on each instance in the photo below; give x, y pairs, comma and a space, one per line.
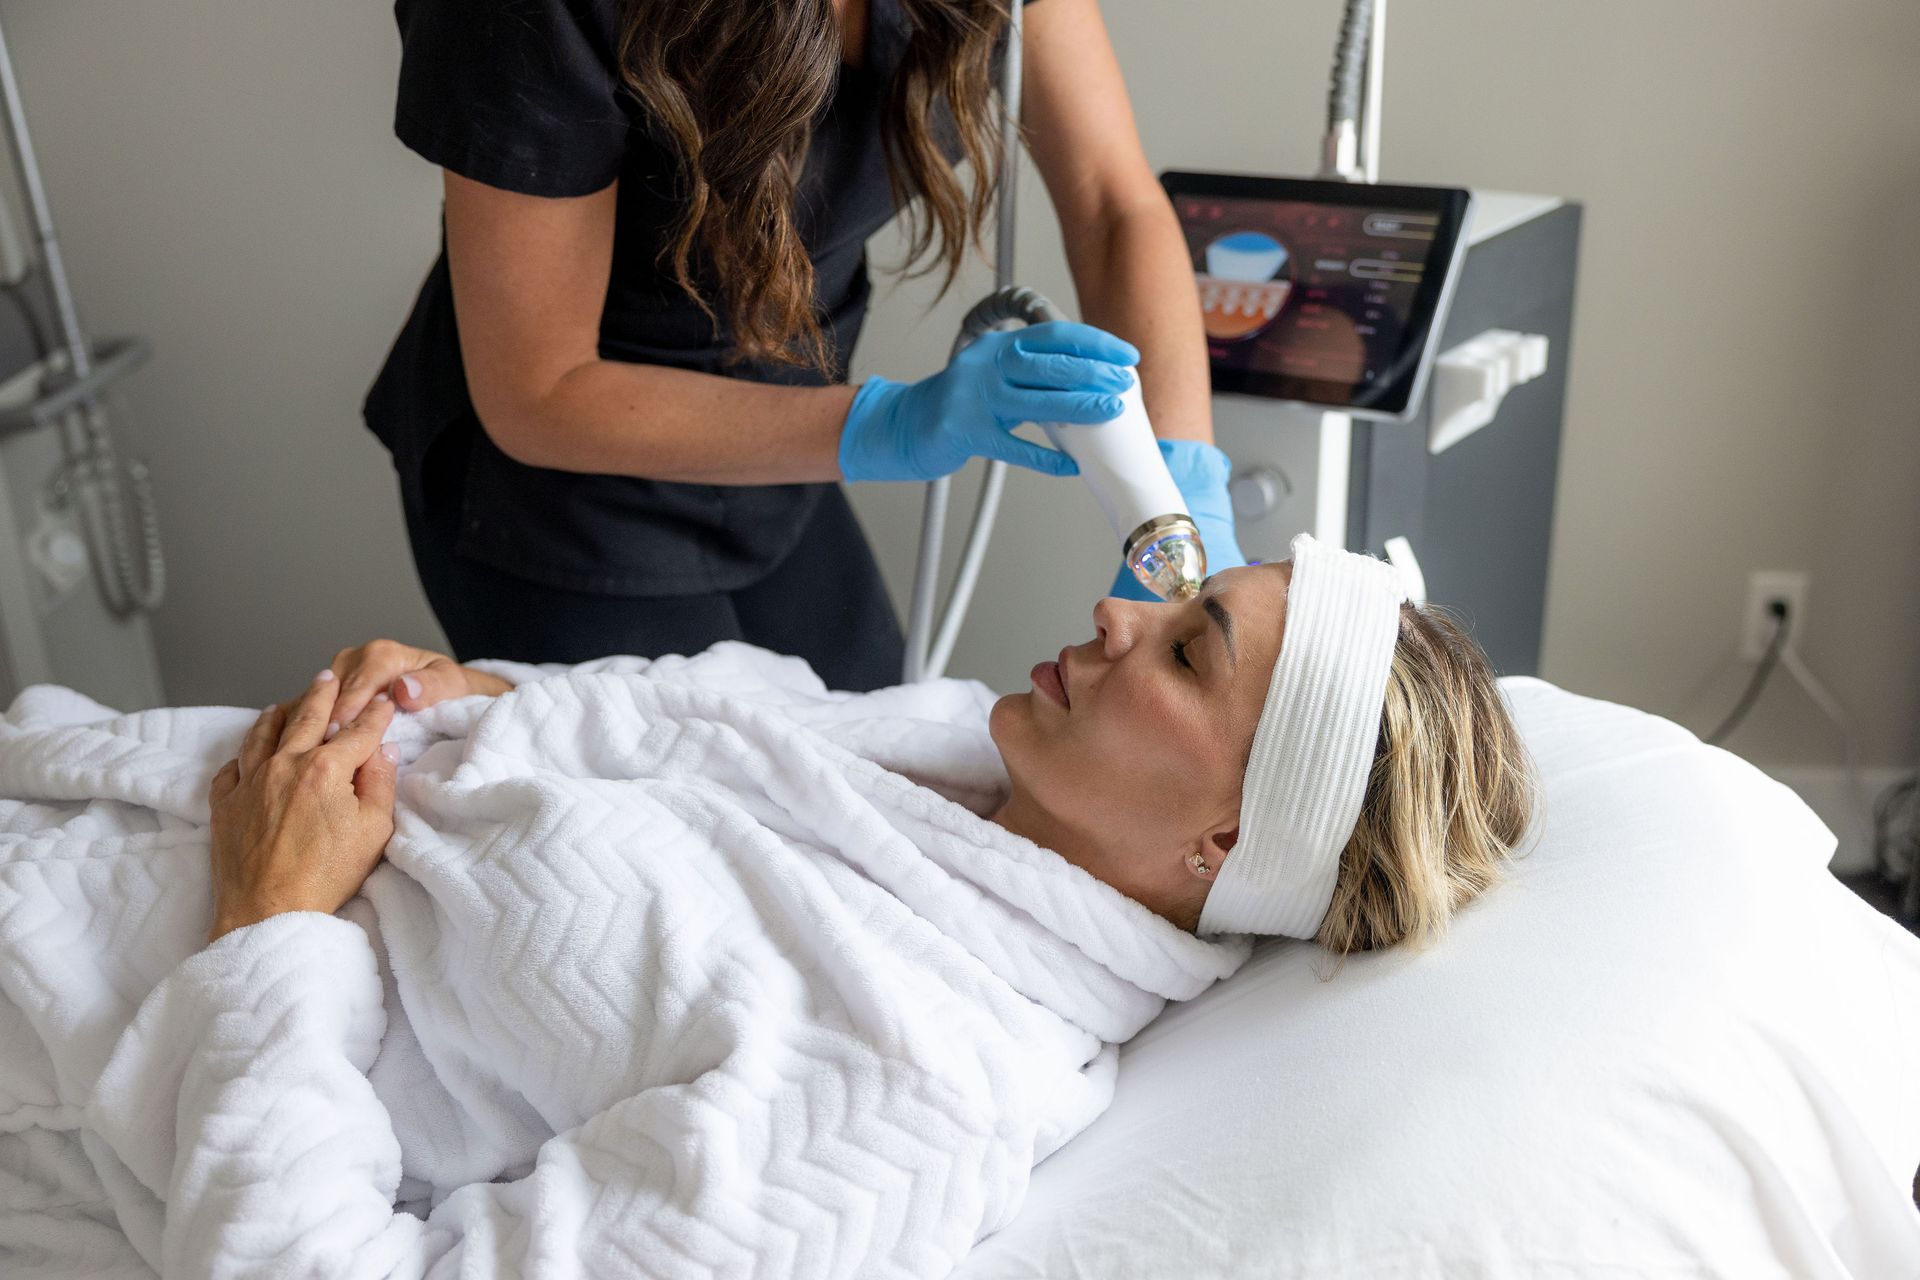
1053, 372
1201, 472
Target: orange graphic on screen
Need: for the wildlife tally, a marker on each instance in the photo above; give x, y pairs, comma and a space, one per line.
1245, 285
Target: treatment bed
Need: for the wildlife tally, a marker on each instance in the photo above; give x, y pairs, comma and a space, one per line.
1671, 1044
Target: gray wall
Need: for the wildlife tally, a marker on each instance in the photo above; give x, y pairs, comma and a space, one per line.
225, 179
1740, 398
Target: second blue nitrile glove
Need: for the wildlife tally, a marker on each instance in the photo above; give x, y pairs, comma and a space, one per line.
1201, 472
1053, 372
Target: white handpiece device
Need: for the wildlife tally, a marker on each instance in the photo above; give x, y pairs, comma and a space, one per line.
1122, 462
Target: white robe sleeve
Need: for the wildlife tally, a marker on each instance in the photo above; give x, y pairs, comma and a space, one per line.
239, 1098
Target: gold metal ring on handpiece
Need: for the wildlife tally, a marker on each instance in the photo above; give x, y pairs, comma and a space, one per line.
1161, 527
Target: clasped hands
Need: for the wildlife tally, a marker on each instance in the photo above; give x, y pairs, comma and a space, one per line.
302, 815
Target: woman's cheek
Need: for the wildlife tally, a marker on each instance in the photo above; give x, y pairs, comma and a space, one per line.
1159, 707
1142, 716
1182, 725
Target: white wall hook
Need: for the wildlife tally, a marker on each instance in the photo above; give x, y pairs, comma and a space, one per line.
1471, 380
1412, 578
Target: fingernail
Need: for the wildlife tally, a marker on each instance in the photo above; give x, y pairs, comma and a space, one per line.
333, 727
391, 752
325, 675
411, 685
381, 697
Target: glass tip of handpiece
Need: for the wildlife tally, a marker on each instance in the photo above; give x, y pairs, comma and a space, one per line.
1171, 565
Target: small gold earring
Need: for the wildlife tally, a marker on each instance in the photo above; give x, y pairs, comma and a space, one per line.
1200, 864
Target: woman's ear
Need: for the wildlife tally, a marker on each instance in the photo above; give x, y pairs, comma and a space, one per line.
1204, 863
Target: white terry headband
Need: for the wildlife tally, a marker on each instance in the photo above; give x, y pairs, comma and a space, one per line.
1314, 747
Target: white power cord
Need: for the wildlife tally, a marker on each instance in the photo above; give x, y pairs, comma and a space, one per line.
1782, 653
1862, 808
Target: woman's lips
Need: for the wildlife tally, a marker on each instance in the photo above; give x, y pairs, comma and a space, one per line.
1047, 679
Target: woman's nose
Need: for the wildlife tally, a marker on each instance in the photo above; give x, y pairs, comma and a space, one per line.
1114, 624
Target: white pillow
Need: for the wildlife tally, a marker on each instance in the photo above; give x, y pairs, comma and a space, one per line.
1671, 1044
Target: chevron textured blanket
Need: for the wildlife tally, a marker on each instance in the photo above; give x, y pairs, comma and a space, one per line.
682, 968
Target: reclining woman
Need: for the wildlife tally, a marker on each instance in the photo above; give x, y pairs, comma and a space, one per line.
692, 966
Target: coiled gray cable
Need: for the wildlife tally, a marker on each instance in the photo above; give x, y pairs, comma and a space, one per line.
125, 523
928, 653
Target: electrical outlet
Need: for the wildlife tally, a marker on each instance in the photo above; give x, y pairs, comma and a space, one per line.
1764, 586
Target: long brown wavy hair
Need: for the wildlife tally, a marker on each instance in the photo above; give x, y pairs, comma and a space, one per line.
737, 88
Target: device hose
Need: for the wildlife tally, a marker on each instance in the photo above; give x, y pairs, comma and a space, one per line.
927, 654
1002, 308
1347, 91
1350, 63
928, 649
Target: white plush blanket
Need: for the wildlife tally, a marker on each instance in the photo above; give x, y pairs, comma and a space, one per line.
684, 968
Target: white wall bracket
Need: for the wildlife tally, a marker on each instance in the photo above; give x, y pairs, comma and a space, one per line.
1412, 578
1470, 381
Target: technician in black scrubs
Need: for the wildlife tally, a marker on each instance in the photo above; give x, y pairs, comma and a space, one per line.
588, 462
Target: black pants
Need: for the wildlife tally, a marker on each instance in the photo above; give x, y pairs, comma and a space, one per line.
824, 601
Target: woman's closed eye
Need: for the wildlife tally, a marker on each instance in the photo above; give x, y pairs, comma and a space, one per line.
1180, 654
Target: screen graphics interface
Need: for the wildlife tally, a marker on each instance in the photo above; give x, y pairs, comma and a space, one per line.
1307, 301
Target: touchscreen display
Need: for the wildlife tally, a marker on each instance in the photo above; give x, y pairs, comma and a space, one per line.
1321, 302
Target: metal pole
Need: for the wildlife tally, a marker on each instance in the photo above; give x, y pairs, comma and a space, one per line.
1376, 81
42, 214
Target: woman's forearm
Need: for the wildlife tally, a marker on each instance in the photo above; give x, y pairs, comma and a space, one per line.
529, 289
1134, 278
616, 418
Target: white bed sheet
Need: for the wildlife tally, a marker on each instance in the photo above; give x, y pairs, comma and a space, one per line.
1671, 1045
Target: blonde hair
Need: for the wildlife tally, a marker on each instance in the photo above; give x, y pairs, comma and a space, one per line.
1449, 796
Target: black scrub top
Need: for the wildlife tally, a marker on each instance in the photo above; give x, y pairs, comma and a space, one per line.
526, 95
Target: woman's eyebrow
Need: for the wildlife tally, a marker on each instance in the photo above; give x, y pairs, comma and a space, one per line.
1218, 612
